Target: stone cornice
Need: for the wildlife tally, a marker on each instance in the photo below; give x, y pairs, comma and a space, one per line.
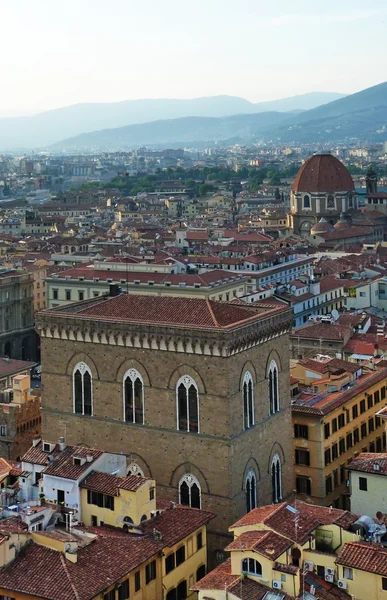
165, 338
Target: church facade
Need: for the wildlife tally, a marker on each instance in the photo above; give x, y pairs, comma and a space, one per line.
194, 392
323, 188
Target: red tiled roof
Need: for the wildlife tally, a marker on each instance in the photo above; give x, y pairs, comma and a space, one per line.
366, 462
111, 484
323, 173
364, 556
327, 515
327, 402
267, 543
63, 464
219, 578
35, 455
175, 524
100, 564
197, 313
243, 588
209, 278
10, 365
294, 526
324, 331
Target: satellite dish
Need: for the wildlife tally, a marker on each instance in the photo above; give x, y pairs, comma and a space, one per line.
335, 314
293, 288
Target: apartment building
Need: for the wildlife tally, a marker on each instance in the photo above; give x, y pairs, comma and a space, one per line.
85, 283
334, 419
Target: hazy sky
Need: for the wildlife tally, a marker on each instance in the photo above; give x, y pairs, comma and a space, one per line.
56, 53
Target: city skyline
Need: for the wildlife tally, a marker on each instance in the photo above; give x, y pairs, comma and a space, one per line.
94, 52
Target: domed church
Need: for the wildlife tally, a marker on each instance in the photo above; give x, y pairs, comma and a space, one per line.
323, 189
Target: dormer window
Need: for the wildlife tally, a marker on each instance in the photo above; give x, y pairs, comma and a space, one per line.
77, 460
47, 447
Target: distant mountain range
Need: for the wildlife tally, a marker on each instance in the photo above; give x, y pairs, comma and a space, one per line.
361, 116
46, 128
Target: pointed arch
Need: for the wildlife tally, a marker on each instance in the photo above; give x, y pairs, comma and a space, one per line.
248, 401
251, 490
82, 390
276, 479
133, 397
273, 385
187, 405
190, 491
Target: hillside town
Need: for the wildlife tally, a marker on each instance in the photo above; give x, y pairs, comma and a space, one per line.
193, 375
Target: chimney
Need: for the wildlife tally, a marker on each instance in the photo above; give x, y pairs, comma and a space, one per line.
89, 458
114, 290
62, 444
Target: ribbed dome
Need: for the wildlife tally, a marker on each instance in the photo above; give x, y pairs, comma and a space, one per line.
323, 173
321, 226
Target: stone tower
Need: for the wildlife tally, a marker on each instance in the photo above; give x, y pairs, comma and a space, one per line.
194, 392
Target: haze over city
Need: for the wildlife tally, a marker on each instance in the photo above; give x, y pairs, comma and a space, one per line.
93, 51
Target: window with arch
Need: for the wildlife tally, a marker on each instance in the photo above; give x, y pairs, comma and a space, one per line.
274, 403
251, 491
82, 390
133, 397
251, 566
135, 469
190, 491
306, 201
248, 401
187, 405
330, 201
276, 479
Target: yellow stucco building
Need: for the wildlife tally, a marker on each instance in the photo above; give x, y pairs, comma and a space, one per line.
334, 418
296, 549
125, 548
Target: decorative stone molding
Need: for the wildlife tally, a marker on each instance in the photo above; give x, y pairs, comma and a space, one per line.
167, 339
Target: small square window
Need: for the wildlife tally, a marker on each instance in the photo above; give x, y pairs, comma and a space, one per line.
348, 573
363, 484
384, 583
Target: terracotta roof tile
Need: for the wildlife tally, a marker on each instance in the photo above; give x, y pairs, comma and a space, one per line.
364, 556
323, 173
295, 526
267, 543
367, 462
111, 484
63, 465
198, 313
176, 523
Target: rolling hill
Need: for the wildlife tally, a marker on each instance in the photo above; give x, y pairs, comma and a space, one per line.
51, 126
361, 116
176, 132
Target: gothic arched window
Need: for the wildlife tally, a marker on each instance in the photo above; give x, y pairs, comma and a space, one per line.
276, 479
251, 566
187, 398
133, 397
251, 491
306, 201
82, 390
274, 402
248, 401
189, 491
134, 469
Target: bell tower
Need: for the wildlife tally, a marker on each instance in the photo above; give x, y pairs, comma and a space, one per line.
371, 181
